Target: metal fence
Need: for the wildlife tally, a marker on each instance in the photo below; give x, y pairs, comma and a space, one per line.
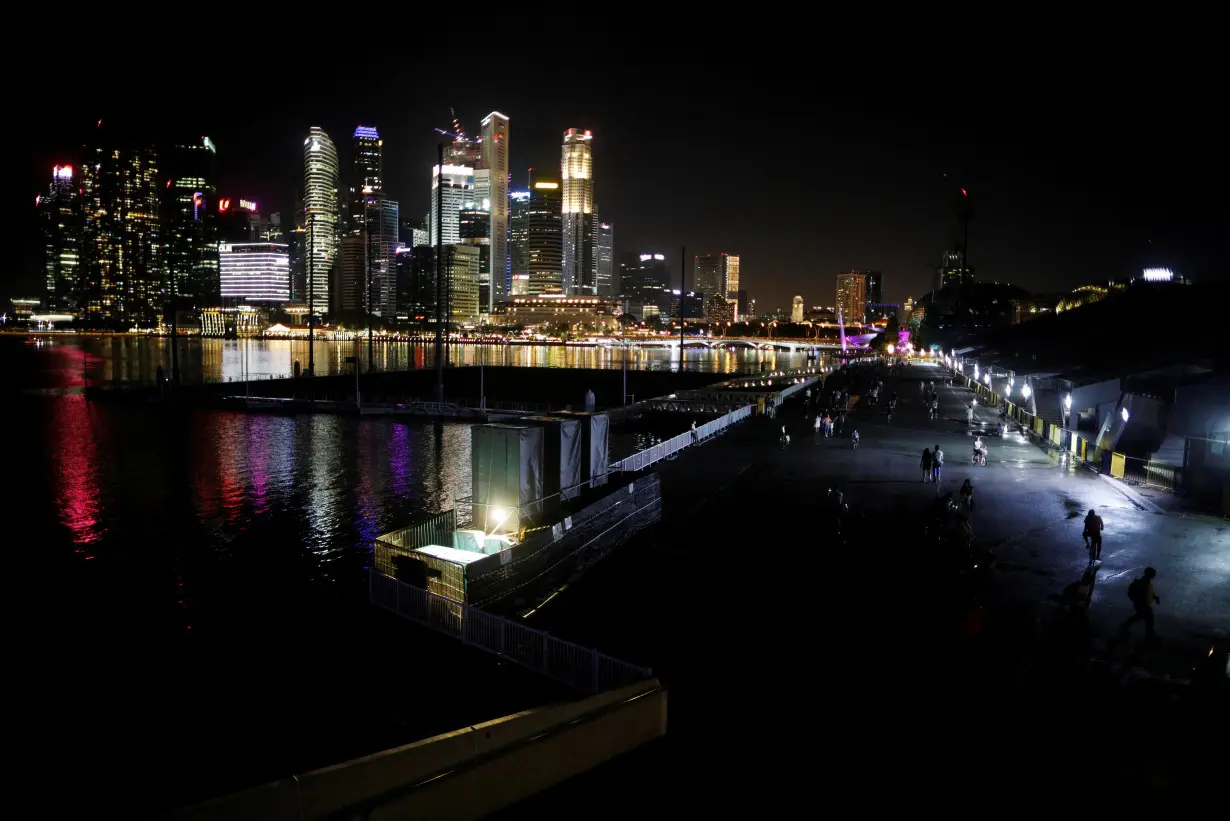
580, 667
1148, 473
436, 530
668, 448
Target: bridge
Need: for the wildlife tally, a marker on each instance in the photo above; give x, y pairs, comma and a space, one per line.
793, 345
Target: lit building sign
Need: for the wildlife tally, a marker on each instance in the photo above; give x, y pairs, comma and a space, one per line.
1158, 275
224, 204
255, 271
659, 256
248, 205
62, 172
198, 201
547, 185
519, 195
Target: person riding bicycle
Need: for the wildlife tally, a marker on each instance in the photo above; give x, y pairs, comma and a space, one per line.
1093, 535
980, 450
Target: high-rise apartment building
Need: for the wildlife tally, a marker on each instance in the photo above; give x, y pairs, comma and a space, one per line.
852, 297
60, 212
190, 231
951, 273
874, 290
381, 235
645, 282
255, 272
576, 173
607, 279
416, 283
544, 239
366, 176
321, 215
518, 243
349, 291
718, 275
122, 272
495, 160
458, 185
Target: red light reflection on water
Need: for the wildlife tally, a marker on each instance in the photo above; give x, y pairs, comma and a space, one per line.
76, 472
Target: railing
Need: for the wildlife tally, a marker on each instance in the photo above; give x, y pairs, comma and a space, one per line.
1148, 473
667, 449
580, 667
436, 530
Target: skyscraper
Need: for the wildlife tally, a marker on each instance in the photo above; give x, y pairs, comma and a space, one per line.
255, 272
852, 297
381, 235
951, 273
718, 275
518, 244
495, 160
60, 211
458, 181
321, 216
646, 283
576, 172
190, 231
366, 176
122, 273
874, 290
461, 264
607, 281
544, 239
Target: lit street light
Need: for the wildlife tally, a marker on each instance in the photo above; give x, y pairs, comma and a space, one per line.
1025, 391
1124, 413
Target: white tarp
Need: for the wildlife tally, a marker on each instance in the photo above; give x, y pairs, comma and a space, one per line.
561, 455
507, 472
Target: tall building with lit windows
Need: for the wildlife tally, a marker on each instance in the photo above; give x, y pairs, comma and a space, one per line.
852, 296
254, 272
60, 212
366, 176
190, 222
544, 240
321, 182
495, 159
577, 178
718, 275
607, 278
121, 278
458, 184
518, 243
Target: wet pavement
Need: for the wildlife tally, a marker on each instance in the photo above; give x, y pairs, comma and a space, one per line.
792, 657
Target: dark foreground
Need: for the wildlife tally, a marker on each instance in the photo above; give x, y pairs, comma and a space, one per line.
803, 668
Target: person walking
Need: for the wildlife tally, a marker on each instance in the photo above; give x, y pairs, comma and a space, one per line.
967, 495
1143, 597
816, 427
926, 464
1093, 536
828, 424
937, 463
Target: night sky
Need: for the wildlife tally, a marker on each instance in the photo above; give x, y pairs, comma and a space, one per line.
804, 169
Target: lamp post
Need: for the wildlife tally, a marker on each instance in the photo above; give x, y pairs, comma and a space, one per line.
1067, 408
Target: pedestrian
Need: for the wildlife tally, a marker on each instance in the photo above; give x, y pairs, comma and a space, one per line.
695, 433
817, 425
967, 495
1093, 535
828, 424
926, 464
1143, 597
937, 463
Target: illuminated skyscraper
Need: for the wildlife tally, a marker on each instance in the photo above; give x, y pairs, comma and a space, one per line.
190, 230
852, 296
518, 243
60, 211
366, 177
458, 183
718, 275
122, 272
461, 264
255, 272
607, 281
495, 160
544, 240
321, 215
382, 229
576, 173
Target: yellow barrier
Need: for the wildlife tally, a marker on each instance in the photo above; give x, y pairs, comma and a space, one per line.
1083, 455
1055, 434
1117, 465
1038, 425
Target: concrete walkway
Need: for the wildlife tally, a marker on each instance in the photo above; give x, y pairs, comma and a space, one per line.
777, 645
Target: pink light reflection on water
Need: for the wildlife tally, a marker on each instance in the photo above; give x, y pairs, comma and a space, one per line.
77, 490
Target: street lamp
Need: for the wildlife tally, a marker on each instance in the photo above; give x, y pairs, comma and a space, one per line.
1124, 413
1025, 391
986, 377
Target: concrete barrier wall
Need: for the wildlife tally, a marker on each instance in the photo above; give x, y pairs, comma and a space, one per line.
624, 719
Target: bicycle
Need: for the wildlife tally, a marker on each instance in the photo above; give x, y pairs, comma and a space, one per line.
1093, 543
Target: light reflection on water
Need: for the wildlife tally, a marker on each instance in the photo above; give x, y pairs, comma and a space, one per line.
123, 359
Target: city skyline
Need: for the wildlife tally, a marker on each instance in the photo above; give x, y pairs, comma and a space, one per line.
1045, 218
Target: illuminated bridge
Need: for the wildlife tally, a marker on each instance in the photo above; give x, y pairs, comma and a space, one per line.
793, 345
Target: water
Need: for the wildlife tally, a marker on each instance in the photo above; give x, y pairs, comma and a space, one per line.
127, 359
181, 579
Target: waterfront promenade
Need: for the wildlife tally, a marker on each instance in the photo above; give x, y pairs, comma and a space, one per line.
795, 664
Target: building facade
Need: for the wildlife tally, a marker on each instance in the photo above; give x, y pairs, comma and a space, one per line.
366, 176
518, 243
122, 271
416, 284
321, 182
495, 159
461, 269
458, 190
851, 297
874, 290
646, 283
951, 273
544, 239
60, 212
607, 277
254, 272
717, 275
577, 202
190, 231
381, 238
796, 309
589, 313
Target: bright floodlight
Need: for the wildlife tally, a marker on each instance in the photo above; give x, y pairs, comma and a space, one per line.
986, 377
1157, 275
1025, 391
890, 349
499, 514
1124, 413
1067, 402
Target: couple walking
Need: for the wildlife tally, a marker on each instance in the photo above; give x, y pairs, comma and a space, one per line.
932, 464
